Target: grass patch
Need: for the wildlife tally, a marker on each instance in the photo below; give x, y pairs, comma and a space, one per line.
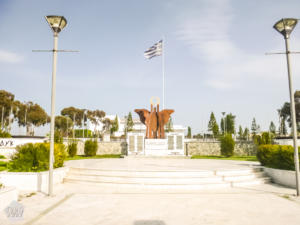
78, 157
3, 166
2, 157
240, 158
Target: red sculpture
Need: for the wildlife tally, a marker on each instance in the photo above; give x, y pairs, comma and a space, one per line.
154, 120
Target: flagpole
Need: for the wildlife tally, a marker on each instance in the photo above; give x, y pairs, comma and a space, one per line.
163, 69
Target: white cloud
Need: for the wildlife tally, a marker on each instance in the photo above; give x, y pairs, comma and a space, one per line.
9, 57
208, 34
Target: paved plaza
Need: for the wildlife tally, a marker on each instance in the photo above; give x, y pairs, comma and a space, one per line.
161, 164
104, 205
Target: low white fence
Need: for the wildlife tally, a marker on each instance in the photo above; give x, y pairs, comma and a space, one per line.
284, 177
32, 181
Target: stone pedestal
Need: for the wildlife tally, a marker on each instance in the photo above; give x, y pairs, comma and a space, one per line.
135, 143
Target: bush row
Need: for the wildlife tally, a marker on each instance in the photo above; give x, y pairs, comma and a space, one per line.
35, 157
90, 147
276, 156
227, 145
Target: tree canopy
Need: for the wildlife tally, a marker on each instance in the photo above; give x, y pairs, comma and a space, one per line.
63, 124
254, 127
213, 125
285, 113
73, 113
6, 105
229, 124
129, 123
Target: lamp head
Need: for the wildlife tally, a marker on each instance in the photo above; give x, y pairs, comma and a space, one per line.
285, 26
57, 23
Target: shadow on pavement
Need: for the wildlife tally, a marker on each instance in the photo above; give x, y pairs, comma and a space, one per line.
149, 222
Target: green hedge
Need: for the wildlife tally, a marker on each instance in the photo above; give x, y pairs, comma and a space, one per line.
90, 147
72, 149
227, 145
4, 134
87, 133
276, 156
35, 157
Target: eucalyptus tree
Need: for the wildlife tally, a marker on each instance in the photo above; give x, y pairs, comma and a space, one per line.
6, 107
30, 115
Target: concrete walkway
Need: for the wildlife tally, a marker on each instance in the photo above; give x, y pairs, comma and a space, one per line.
161, 164
88, 204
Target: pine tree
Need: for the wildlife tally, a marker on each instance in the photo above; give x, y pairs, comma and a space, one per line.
240, 133
246, 133
169, 126
129, 122
283, 127
254, 127
272, 128
222, 126
189, 134
212, 125
115, 125
230, 123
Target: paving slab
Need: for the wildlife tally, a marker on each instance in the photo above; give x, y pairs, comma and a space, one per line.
149, 209
78, 204
161, 164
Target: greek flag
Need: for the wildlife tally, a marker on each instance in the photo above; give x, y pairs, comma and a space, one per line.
155, 50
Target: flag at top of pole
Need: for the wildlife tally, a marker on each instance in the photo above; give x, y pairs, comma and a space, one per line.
155, 50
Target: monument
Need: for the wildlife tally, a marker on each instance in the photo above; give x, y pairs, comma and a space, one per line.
155, 141
154, 120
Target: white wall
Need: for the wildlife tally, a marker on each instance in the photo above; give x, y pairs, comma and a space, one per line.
286, 142
283, 177
32, 181
8, 145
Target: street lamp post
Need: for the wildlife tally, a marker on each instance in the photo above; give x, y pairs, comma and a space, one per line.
57, 23
73, 125
285, 27
223, 113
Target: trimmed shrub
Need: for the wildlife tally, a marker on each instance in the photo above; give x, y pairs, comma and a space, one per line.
4, 134
265, 138
72, 149
227, 145
276, 156
264, 153
90, 148
35, 157
58, 138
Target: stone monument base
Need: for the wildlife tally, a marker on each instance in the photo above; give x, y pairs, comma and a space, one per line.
160, 147
156, 147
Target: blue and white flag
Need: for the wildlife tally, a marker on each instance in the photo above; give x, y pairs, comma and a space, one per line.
155, 50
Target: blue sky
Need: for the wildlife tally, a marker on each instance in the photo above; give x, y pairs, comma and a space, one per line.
214, 52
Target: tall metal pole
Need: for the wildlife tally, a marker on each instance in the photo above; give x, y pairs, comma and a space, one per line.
293, 115
223, 122
83, 124
163, 68
53, 93
74, 126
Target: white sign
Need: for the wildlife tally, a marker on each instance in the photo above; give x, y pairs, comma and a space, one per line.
14, 142
156, 144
